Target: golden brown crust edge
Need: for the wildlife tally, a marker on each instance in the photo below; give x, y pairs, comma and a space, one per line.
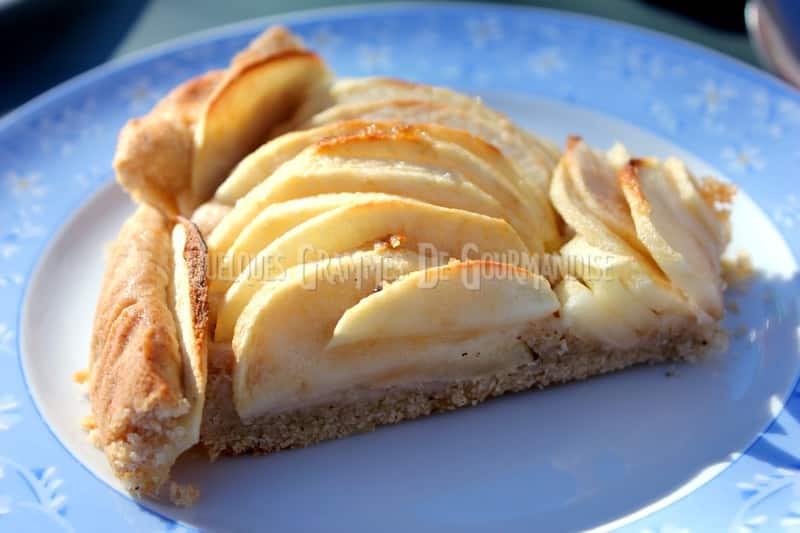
195, 255
138, 384
153, 161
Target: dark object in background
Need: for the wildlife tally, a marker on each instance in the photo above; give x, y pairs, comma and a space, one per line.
727, 15
42, 46
774, 27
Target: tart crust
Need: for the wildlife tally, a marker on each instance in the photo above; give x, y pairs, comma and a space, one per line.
146, 378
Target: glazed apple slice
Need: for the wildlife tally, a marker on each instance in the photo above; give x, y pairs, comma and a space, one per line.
414, 225
281, 339
301, 309
175, 156
309, 175
532, 162
260, 164
594, 266
453, 155
227, 130
457, 299
669, 234
410, 146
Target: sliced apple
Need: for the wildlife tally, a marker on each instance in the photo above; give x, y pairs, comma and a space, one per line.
242, 110
425, 227
587, 312
575, 211
712, 227
438, 147
310, 175
456, 299
208, 216
666, 232
263, 162
280, 342
595, 182
189, 301
532, 160
594, 266
290, 320
494, 128
410, 146
271, 224
618, 156
381, 88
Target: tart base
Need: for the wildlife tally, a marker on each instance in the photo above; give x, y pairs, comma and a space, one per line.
556, 357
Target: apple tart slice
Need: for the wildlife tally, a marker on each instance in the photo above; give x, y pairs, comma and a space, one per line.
377, 250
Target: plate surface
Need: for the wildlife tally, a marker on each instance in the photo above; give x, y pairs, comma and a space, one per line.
705, 447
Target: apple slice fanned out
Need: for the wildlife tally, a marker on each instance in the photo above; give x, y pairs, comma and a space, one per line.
457, 299
431, 230
175, 156
594, 266
373, 89
309, 175
713, 220
263, 162
289, 321
281, 338
605, 312
600, 284
189, 299
586, 193
272, 223
533, 163
669, 232
348, 94
498, 130
446, 151
241, 113
410, 146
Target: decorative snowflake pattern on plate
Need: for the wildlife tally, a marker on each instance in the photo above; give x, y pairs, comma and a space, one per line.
782, 482
711, 98
6, 339
139, 95
787, 214
547, 62
374, 58
483, 31
23, 186
45, 496
9, 415
744, 158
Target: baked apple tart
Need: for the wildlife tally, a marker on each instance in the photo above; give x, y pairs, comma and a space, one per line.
315, 257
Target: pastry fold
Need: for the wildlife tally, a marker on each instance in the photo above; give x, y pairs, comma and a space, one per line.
175, 156
148, 359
